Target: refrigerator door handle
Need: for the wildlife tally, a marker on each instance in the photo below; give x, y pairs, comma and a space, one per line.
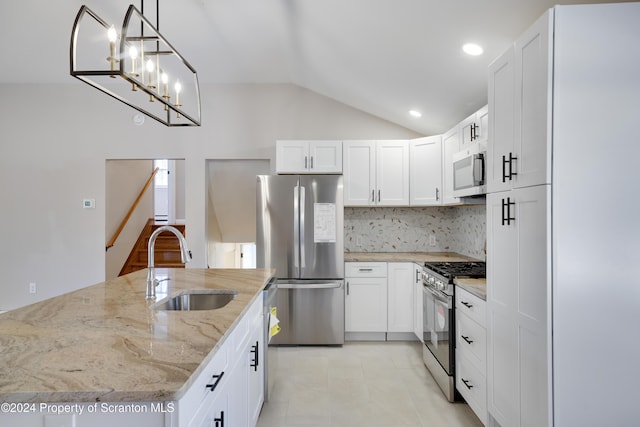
296, 230
328, 285
302, 237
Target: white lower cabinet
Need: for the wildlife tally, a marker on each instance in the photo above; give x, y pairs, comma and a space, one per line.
471, 351
380, 300
418, 303
230, 390
366, 297
400, 280
257, 348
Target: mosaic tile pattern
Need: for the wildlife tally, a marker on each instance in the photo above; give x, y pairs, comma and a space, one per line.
460, 229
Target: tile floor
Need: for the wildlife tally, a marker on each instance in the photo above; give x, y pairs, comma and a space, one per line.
360, 384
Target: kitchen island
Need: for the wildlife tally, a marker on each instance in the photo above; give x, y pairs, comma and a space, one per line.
104, 343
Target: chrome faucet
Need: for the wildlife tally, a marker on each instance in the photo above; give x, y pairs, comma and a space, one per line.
185, 254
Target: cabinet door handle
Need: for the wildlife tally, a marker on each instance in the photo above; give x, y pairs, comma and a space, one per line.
305, 162
466, 304
467, 339
504, 168
373, 196
466, 383
417, 275
219, 422
255, 361
378, 196
511, 172
347, 288
506, 211
311, 162
437, 194
365, 269
215, 384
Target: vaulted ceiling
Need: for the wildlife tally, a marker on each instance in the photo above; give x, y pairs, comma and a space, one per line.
383, 57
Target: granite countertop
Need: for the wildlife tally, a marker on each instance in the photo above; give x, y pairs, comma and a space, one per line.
418, 257
477, 287
103, 343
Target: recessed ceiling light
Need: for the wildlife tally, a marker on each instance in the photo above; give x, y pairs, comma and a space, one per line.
472, 49
415, 113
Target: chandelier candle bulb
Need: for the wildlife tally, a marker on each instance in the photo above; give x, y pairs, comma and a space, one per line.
112, 35
151, 84
165, 89
133, 54
178, 88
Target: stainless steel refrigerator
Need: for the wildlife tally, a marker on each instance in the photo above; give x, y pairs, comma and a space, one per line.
299, 232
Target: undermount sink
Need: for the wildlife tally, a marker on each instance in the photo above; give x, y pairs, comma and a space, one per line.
196, 300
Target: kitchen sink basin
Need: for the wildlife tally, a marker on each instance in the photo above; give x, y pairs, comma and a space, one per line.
196, 300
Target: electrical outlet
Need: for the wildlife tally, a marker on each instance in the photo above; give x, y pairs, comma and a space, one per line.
32, 288
432, 240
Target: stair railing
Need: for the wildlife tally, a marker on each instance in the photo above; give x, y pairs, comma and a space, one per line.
131, 210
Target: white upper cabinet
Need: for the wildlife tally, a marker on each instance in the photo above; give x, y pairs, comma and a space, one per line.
359, 173
450, 146
520, 114
376, 173
313, 157
501, 121
392, 173
475, 127
425, 171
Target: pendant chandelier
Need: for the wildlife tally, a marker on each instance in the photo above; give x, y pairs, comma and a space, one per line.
137, 66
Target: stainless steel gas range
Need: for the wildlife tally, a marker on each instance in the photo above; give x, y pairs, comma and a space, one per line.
439, 321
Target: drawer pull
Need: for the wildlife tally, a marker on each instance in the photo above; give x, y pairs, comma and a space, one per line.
365, 269
254, 361
466, 339
215, 384
466, 304
466, 383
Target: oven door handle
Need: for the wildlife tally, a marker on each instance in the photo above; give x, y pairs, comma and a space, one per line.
443, 299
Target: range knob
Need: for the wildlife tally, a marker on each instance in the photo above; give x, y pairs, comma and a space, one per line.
439, 285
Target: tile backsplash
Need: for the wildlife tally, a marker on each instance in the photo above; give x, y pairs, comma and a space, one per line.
460, 229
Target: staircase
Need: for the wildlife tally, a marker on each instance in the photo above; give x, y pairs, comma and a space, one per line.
166, 253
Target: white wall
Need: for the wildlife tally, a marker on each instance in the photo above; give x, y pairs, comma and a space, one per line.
55, 140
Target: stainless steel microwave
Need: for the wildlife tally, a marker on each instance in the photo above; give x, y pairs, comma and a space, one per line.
469, 172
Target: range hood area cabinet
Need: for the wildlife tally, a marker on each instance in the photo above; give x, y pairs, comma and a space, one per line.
564, 90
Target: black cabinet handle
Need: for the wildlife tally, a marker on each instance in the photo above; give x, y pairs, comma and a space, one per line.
466, 383
504, 169
466, 339
466, 304
511, 172
255, 361
215, 384
506, 216
219, 422
305, 162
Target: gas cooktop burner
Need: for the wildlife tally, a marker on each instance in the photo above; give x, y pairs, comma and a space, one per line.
449, 270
